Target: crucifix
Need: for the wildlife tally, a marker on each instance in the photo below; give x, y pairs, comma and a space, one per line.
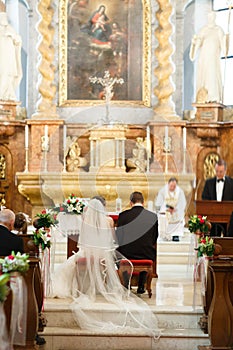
108, 83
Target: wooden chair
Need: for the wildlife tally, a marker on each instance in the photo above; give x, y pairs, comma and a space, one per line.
138, 266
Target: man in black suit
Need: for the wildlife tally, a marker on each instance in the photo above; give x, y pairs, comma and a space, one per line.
8, 240
137, 233
218, 188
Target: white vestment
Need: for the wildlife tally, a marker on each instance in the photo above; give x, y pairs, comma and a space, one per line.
170, 224
90, 277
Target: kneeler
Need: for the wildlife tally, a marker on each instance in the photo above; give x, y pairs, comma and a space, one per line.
138, 266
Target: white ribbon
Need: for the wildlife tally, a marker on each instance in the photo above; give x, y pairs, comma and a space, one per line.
45, 272
4, 341
18, 325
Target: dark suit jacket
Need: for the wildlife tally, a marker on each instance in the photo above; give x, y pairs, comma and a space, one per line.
9, 241
137, 233
209, 191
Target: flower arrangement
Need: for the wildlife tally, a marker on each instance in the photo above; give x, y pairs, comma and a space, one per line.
42, 238
45, 219
3, 287
71, 205
15, 262
199, 224
205, 246
43, 222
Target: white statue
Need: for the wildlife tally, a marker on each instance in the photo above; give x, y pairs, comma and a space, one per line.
10, 59
211, 41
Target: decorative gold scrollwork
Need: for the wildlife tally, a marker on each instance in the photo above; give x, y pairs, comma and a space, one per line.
2, 199
2, 167
209, 165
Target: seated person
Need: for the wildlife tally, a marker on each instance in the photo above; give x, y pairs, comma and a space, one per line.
171, 203
137, 233
9, 241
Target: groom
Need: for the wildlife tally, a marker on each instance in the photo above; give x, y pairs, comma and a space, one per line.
137, 233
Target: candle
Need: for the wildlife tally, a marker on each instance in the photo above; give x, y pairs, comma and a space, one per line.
64, 137
166, 138
118, 205
26, 136
184, 139
148, 138
46, 132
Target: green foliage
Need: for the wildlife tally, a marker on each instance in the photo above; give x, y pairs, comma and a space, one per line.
198, 223
205, 246
4, 290
15, 262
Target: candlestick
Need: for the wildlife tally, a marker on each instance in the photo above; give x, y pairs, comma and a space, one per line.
184, 138
26, 136
64, 137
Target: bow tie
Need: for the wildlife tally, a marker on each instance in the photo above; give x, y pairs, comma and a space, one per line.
219, 180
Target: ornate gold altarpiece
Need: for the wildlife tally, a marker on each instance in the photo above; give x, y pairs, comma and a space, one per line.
106, 174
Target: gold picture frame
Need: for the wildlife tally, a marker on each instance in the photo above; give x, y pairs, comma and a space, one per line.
76, 63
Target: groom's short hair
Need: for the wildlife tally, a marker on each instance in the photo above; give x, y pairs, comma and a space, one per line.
136, 197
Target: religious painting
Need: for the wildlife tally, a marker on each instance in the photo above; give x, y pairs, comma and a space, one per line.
99, 36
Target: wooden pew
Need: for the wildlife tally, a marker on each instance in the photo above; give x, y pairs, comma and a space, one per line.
216, 212
32, 307
218, 299
33, 251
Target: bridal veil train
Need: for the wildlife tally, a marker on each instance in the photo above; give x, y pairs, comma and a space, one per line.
91, 277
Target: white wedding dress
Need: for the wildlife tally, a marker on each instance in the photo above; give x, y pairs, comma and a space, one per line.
90, 277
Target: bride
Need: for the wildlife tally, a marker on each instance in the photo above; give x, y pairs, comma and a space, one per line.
90, 277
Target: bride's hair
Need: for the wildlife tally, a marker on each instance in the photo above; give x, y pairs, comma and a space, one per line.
101, 199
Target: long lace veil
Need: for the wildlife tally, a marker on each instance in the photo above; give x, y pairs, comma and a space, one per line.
98, 282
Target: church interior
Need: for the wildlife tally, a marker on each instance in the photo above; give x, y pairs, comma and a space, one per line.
127, 116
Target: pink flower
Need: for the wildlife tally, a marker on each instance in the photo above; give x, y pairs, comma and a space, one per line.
202, 221
43, 211
11, 257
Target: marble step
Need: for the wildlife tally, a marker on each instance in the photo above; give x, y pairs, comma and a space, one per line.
175, 253
75, 339
58, 314
178, 325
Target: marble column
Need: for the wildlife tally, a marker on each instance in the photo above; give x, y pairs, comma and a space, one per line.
46, 107
165, 68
